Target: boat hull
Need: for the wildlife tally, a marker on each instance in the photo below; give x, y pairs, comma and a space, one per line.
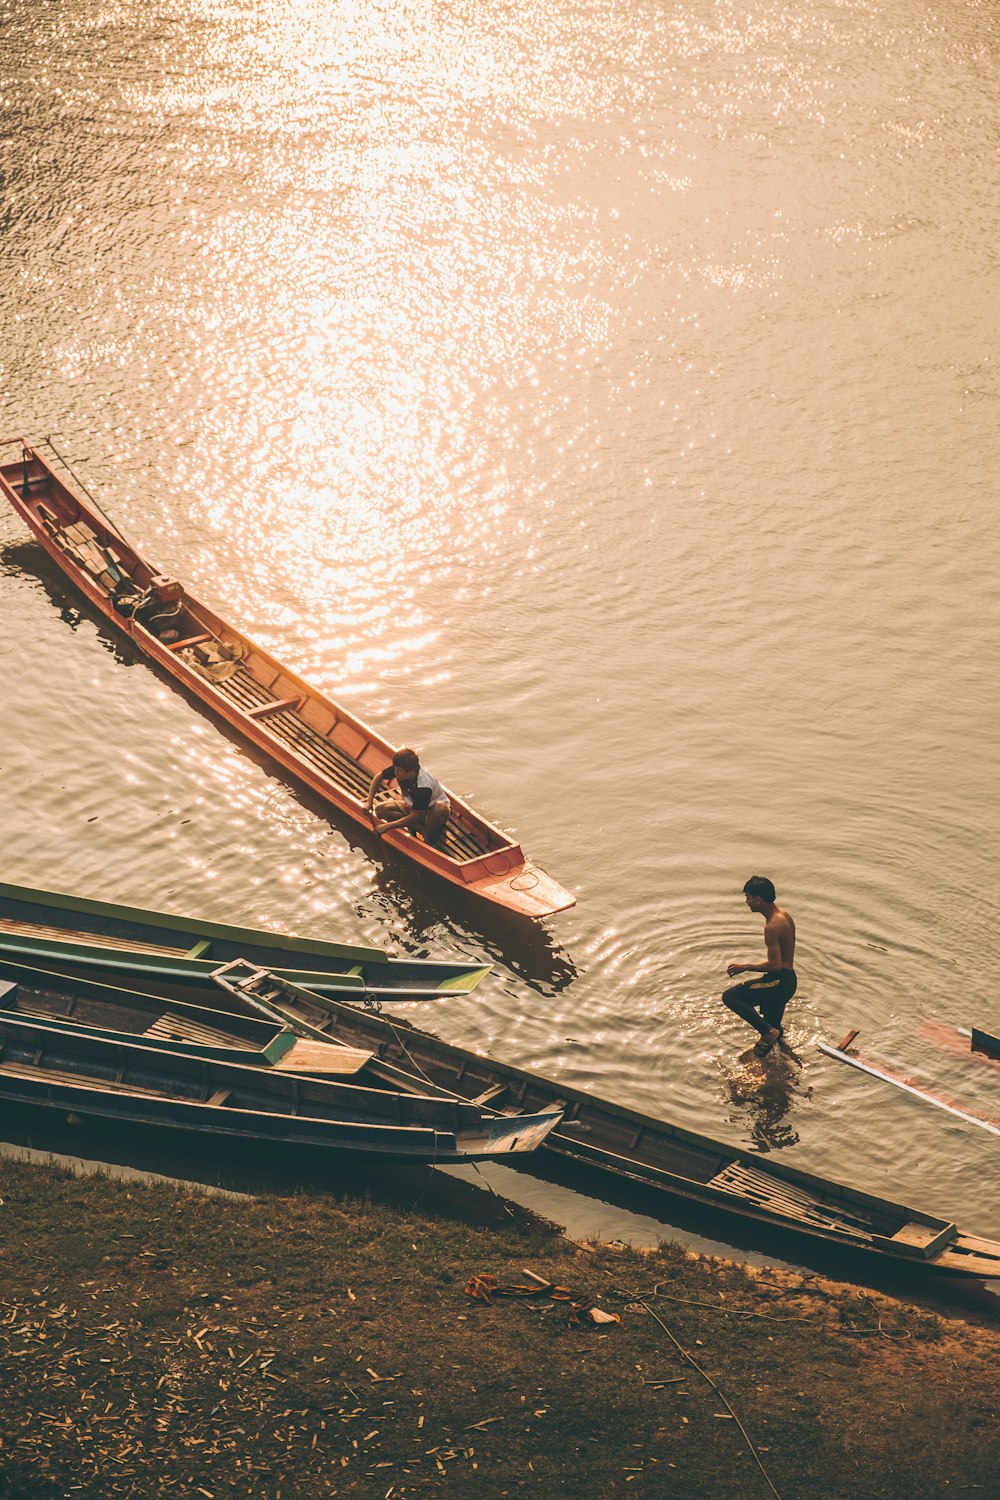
52, 926
617, 1142
89, 1077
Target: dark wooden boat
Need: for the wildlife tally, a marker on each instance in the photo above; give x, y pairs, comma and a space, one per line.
313, 738
172, 1094
74, 931
73, 1004
611, 1139
982, 1042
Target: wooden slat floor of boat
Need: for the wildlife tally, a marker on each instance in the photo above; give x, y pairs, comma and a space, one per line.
786, 1198
98, 939
243, 689
170, 1028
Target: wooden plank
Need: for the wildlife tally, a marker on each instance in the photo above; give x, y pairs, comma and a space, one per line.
327, 1058
969, 1116
84, 1081
192, 640
276, 706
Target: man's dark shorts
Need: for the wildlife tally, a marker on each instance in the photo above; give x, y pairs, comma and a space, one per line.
768, 993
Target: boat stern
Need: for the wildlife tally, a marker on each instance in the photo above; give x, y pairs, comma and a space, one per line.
507, 1135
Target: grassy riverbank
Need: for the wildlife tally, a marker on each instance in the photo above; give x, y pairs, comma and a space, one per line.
161, 1343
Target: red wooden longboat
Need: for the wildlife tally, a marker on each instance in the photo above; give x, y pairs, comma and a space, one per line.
319, 742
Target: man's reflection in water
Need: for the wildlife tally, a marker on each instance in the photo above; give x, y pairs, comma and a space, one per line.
763, 1095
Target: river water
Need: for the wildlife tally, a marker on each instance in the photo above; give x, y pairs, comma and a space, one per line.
602, 398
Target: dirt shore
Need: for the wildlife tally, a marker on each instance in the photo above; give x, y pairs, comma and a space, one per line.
162, 1342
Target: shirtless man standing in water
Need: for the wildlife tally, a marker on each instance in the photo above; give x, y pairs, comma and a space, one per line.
762, 1001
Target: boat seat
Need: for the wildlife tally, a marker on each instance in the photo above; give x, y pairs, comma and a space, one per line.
928, 1239
489, 1095
321, 1058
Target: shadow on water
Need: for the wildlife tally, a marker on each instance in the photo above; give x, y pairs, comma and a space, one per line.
521, 945
31, 560
763, 1093
539, 1193
247, 1169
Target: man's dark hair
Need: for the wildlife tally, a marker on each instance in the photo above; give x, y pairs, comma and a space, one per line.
759, 885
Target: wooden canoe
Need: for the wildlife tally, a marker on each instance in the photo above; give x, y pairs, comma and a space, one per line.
172, 1095
72, 931
610, 1139
69, 1003
313, 738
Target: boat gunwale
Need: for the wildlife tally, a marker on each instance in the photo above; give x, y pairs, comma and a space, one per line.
196, 928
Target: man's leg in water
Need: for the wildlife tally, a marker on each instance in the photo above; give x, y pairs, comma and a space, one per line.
742, 1001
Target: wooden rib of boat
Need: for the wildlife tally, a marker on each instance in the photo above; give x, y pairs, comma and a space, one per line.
74, 931
69, 1003
315, 739
612, 1139
172, 1094
982, 1042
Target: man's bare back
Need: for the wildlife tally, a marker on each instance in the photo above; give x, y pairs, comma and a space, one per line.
780, 929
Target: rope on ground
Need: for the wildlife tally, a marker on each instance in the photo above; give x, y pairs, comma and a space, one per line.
748, 1313
638, 1298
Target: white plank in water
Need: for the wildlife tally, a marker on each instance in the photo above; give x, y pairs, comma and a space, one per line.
308, 1056
909, 1088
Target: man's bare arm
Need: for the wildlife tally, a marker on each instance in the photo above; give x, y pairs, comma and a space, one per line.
377, 783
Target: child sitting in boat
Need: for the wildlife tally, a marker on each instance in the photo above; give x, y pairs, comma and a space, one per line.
423, 805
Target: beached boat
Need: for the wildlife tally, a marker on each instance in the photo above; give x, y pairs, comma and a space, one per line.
607, 1138
68, 1003
174, 1095
313, 738
597, 1135
63, 931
